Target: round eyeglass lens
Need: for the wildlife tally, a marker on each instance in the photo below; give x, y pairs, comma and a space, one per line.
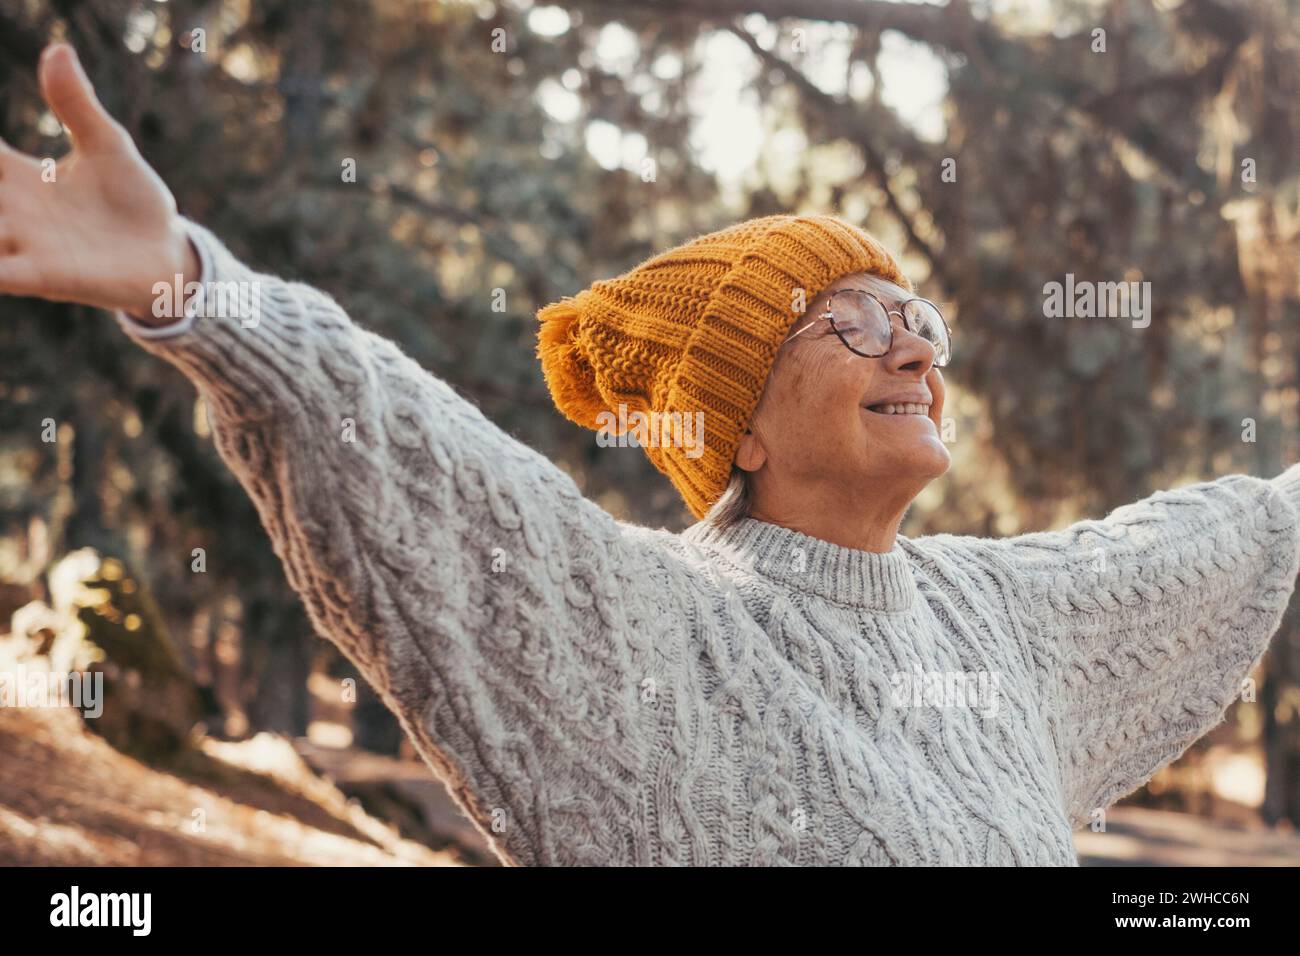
924, 319
861, 322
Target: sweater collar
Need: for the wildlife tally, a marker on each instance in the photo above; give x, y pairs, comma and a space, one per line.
867, 579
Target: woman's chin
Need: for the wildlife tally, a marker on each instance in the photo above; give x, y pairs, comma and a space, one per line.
940, 460
932, 455
929, 458
925, 453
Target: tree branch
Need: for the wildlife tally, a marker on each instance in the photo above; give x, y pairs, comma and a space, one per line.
849, 118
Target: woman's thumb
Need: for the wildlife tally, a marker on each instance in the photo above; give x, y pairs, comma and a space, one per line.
68, 92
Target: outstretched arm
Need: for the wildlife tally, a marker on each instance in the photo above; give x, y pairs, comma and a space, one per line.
495, 609
1142, 626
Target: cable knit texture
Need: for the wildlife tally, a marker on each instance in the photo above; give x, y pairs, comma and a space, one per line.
598, 693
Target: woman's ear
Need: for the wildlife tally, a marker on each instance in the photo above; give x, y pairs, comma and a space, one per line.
751, 454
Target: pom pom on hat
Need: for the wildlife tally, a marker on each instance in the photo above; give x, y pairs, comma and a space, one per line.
569, 375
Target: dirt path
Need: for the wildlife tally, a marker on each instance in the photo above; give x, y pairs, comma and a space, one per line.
68, 798
1137, 837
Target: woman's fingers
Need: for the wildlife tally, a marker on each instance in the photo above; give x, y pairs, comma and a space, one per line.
69, 93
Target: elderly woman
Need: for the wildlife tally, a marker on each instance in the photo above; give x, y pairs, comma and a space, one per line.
788, 681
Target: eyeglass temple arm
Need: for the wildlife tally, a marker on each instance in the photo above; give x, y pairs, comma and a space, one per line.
823, 315
805, 328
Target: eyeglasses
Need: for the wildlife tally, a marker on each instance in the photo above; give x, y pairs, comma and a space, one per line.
863, 324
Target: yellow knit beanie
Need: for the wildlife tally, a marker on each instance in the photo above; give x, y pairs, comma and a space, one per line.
696, 330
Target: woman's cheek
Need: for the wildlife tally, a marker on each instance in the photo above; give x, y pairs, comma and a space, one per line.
938, 392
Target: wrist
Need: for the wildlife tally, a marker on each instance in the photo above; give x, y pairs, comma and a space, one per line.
166, 297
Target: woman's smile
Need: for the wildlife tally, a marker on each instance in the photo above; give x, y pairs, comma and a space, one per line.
900, 408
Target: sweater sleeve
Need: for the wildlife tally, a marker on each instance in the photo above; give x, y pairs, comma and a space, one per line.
1143, 626
474, 587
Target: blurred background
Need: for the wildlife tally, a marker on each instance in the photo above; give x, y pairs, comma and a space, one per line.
507, 154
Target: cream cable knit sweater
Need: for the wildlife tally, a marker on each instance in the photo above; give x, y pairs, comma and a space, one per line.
595, 692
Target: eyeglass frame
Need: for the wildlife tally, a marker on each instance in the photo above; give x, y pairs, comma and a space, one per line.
828, 315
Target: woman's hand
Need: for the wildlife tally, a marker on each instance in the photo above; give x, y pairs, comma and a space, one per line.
100, 227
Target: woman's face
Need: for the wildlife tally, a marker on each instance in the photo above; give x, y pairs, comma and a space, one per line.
822, 423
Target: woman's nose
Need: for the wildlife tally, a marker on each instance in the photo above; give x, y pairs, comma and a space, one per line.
911, 352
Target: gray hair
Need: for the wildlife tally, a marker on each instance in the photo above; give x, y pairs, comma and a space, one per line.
734, 504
